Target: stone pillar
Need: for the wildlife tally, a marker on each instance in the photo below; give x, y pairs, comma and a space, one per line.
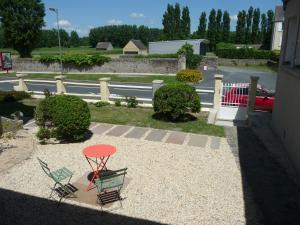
181, 62
252, 93
22, 85
218, 91
156, 84
104, 90
60, 87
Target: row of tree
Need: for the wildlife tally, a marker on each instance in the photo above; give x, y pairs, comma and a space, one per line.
254, 27
177, 24
120, 35
48, 38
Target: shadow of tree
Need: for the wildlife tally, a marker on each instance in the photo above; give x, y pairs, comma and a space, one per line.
166, 118
18, 208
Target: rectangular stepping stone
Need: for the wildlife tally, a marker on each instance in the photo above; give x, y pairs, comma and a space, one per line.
215, 143
176, 138
137, 133
118, 131
101, 129
198, 140
156, 135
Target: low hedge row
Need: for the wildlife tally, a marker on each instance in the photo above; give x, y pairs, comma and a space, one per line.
77, 59
247, 53
189, 75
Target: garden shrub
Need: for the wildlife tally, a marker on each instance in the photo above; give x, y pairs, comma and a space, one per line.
118, 103
67, 117
189, 75
175, 100
80, 60
12, 96
43, 133
131, 102
101, 104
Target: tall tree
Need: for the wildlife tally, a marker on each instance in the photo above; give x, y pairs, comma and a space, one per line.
168, 22
2, 45
270, 25
226, 27
202, 26
263, 29
240, 27
74, 39
211, 31
219, 26
255, 26
22, 22
249, 19
186, 22
177, 22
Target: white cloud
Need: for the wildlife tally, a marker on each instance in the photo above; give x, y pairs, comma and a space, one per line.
114, 22
64, 24
137, 15
234, 17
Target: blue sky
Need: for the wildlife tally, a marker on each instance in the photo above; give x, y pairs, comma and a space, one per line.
81, 15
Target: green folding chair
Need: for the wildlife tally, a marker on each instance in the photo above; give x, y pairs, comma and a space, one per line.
109, 186
58, 176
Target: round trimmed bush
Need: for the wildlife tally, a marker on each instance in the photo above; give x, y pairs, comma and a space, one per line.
191, 76
173, 101
67, 117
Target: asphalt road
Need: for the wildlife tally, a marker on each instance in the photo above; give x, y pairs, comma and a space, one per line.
231, 75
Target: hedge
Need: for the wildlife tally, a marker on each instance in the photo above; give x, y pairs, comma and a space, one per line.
77, 59
247, 53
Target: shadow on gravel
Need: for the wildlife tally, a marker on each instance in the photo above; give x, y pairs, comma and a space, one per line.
277, 197
17, 208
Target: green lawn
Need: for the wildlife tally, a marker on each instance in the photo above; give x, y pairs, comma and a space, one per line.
78, 50
95, 77
141, 117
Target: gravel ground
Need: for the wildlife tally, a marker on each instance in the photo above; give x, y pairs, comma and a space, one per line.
168, 183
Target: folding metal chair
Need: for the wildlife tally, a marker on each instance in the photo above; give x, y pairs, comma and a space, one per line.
109, 186
62, 190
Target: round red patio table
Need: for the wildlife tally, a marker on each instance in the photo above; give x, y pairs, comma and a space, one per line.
95, 152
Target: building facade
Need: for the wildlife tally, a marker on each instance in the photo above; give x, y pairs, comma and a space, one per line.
172, 47
286, 114
135, 47
278, 28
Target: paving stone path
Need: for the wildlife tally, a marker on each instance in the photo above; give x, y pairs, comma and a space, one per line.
150, 134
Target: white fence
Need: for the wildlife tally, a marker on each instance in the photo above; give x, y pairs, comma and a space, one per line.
104, 88
235, 94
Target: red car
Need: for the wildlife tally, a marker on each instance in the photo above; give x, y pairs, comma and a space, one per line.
237, 95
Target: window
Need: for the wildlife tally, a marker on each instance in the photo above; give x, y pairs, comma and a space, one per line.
297, 57
291, 41
279, 27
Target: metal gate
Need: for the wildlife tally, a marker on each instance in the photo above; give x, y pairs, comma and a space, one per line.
234, 101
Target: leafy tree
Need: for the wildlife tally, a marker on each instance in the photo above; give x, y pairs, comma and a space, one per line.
2, 37
240, 27
185, 23
74, 39
177, 21
263, 29
48, 39
255, 26
211, 31
249, 19
219, 26
168, 22
226, 27
202, 26
268, 36
84, 41
22, 22
64, 38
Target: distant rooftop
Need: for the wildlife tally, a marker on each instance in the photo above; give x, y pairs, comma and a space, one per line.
139, 44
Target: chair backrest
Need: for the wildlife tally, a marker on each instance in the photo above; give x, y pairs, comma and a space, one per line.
45, 167
116, 180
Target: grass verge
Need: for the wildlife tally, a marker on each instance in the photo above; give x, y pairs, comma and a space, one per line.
141, 117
